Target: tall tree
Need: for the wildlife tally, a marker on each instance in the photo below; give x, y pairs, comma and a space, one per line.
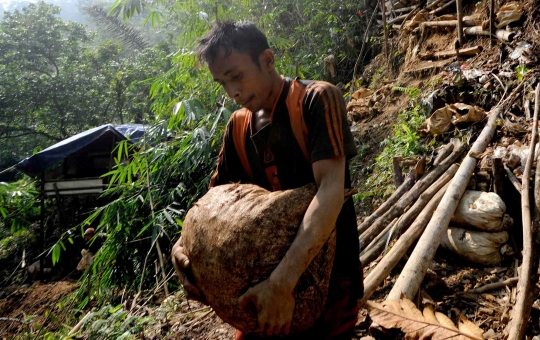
54, 81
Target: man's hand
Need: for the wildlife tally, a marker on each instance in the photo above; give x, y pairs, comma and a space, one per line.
182, 267
275, 306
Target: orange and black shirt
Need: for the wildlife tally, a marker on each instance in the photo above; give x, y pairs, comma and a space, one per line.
278, 157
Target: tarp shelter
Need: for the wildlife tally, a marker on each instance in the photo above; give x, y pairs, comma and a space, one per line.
75, 165
94, 143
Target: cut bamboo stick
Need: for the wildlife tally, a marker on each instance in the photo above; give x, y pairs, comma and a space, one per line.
471, 51
444, 152
420, 186
501, 34
468, 21
381, 238
492, 286
419, 261
390, 260
400, 10
407, 184
434, 4
377, 246
397, 19
525, 287
443, 7
513, 179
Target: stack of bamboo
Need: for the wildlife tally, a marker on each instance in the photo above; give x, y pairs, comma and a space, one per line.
421, 210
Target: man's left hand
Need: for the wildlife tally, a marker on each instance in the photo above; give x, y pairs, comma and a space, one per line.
275, 306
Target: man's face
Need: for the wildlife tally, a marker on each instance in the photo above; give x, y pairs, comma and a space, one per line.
244, 81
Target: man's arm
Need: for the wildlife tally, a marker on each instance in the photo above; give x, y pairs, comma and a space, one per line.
274, 297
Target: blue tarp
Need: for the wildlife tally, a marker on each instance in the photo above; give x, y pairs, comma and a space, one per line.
35, 164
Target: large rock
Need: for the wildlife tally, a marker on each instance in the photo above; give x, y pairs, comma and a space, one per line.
237, 234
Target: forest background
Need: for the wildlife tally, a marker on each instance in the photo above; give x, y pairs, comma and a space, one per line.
134, 62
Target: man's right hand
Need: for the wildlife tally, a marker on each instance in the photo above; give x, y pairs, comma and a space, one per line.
182, 266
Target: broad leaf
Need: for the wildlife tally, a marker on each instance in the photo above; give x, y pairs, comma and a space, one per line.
403, 314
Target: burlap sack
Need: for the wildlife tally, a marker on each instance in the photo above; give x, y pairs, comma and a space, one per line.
237, 234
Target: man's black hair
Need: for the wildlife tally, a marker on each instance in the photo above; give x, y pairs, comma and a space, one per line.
240, 36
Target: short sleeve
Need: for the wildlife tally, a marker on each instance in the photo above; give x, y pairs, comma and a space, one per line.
229, 169
325, 117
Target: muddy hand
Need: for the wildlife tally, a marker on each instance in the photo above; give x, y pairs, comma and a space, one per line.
182, 266
275, 307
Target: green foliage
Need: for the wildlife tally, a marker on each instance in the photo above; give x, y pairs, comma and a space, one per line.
151, 193
404, 141
54, 83
18, 205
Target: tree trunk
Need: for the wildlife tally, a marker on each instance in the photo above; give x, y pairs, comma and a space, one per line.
417, 265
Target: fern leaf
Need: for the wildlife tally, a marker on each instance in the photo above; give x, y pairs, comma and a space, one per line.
403, 314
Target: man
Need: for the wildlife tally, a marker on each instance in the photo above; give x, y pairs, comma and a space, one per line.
262, 146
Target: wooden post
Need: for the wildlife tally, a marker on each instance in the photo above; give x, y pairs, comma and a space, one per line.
414, 271
42, 226
491, 21
527, 276
398, 172
459, 8
60, 207
497, 167
383, 10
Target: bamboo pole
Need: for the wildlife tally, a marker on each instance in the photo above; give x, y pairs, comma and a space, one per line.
513, 179
443, 7
419, 261
408, 198
493, 286
401, 190
390, 260
369, 254
471, 51
500, 34
468, 21
444, 152
377, 246
433, 4
525, 287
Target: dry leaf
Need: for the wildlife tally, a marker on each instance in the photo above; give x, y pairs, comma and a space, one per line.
403, 314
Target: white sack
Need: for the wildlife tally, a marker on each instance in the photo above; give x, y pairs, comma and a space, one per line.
480, 209
475, 246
